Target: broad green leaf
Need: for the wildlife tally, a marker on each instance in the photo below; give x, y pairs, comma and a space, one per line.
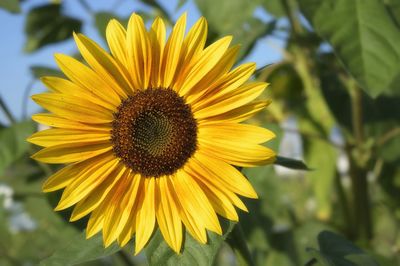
41, 71
13, 142
47, 25
363, 36
234, 17
274, 7
335, 250
10, 5
291, 163
393, 7
80, 250
193, 252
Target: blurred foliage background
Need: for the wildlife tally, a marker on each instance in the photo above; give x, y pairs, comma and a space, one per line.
336, 106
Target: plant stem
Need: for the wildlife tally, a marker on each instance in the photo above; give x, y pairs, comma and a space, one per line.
361, 202
25, 98
344, 204
358, 168
237, 242
6, 111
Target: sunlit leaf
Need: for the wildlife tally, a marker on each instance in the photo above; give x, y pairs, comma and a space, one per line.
234, 17
363, 36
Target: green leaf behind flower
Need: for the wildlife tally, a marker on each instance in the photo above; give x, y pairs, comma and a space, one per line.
80, 250
193, 253
13, 144
47, 25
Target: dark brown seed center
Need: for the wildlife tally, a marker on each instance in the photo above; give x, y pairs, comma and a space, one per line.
154, 132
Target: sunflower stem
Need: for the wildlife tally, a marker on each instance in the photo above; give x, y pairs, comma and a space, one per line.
359, 155
6, 111
237, 241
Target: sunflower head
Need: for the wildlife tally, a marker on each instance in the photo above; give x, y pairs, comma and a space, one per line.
151, 133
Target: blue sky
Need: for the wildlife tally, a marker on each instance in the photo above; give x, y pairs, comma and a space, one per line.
14, 64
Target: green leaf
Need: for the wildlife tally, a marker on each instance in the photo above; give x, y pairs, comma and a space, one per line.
274, 7
291, 163
363, 36
101, 20
47, 25
234, 17
41, 71
10, 5
13, 142
335, 250
180, 4
323, 175
193, 252
80, 250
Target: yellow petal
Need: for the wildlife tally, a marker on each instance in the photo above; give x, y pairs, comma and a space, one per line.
235, 132
194, 226
167, 215
226, 174
145, 219
195, 40
86, 181
139, 52
53, 120
211, 78
74, 108
88, 79
241, 154
96, 221
236, 115
172, 52
60, 85
221, 203
205, 63
241, 96
70, 153
120, 207
93, 200
196, 202
116, 39
130, 226
192, 45
157, 38
226, 86
215, 184
104, 65
116, 202
57, 136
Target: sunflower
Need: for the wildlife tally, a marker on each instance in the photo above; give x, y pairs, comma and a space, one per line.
150, 133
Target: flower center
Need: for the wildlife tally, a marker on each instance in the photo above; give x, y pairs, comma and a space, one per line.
154, 132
